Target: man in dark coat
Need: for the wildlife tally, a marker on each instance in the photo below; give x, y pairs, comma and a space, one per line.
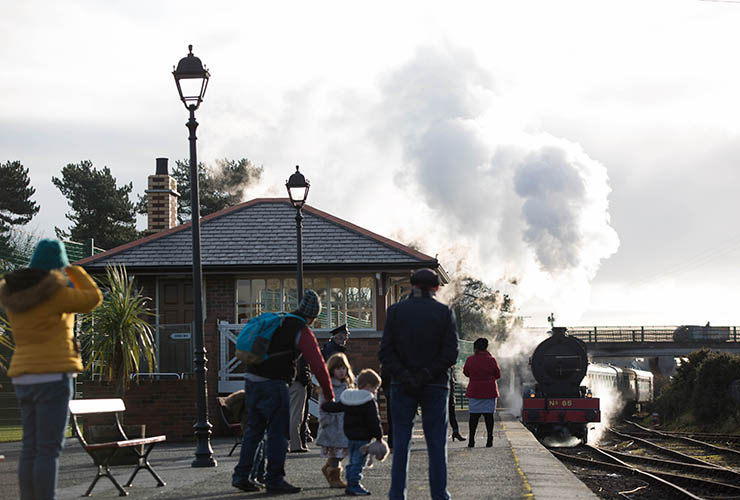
419, 346
337, 342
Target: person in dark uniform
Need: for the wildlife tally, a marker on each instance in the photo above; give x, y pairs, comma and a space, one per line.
451, 409
337, 342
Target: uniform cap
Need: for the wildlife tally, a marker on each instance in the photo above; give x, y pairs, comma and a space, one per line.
340, 329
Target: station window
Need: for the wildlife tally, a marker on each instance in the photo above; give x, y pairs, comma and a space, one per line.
344, 299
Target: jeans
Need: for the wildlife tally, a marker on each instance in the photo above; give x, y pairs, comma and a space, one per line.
44, 412
268, 409
357, 461
433, 401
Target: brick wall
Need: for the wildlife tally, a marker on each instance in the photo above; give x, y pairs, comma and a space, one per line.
362, 353
164, 406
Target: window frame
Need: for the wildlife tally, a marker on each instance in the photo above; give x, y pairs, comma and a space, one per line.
326, 306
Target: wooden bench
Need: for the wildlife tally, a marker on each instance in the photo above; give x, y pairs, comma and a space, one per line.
234, 427
103, 453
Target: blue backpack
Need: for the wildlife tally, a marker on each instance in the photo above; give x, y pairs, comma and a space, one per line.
253, 341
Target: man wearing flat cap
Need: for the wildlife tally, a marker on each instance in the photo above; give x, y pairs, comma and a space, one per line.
418, 348
337, 342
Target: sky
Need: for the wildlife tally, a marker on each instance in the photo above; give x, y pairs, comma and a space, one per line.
578, 155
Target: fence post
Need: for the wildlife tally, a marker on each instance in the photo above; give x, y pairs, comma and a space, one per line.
642, 334
595, 336
89, 249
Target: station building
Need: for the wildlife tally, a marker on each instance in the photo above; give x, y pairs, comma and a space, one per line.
249, 256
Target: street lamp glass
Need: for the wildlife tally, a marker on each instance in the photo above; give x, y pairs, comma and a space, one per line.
297, 186
191, 79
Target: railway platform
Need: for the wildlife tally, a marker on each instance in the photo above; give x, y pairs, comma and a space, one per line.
517, 466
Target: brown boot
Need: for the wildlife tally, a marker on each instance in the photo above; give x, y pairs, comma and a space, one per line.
335, 477
325, 469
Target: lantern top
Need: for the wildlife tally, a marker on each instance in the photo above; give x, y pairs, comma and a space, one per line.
297, 180
190, 66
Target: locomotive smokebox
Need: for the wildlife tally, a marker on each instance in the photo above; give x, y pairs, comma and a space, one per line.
559, 364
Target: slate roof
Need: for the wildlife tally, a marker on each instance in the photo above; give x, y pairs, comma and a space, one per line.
261, 234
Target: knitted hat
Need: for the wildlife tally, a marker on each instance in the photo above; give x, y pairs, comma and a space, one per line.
310, 305
49, 254
425, 278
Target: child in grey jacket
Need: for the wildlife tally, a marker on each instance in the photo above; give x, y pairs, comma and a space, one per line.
331, 436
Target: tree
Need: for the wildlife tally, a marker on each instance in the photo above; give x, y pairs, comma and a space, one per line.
16, 206
116, 337
17, 251
219, 187
100, 209
481, 310
700, 392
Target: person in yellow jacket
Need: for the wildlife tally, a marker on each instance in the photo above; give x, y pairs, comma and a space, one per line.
40, 302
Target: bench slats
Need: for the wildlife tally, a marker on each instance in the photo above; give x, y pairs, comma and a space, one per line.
86, 406
126, 444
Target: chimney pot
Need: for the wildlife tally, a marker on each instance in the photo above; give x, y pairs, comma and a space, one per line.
162, 166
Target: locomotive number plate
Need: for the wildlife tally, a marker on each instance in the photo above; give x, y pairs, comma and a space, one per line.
559, 403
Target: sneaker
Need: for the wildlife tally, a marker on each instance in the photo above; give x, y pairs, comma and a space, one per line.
356, 490
283, 487
247, 485
299, 450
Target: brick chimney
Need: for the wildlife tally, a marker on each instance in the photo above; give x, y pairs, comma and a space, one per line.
162, 198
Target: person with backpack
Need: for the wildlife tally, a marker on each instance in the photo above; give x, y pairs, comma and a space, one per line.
266, 394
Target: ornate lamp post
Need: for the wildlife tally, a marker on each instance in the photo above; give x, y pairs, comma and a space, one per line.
297, 186
192, 79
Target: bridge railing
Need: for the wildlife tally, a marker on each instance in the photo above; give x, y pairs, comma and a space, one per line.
632, 333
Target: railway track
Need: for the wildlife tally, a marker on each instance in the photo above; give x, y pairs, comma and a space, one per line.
679, 447
650, 479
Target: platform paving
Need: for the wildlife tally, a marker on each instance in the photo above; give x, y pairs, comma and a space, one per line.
517, 466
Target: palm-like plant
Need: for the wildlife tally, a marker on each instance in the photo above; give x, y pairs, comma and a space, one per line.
116, 336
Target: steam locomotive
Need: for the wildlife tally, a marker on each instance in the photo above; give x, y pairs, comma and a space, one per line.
562, 402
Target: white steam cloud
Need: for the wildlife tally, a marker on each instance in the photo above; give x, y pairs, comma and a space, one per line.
434, 154
529, 205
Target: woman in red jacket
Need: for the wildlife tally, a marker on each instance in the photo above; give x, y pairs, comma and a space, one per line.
483, 371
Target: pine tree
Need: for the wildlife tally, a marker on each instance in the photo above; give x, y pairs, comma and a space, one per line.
100, 209
16, 206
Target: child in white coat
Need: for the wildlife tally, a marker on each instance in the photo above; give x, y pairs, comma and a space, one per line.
331, 436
